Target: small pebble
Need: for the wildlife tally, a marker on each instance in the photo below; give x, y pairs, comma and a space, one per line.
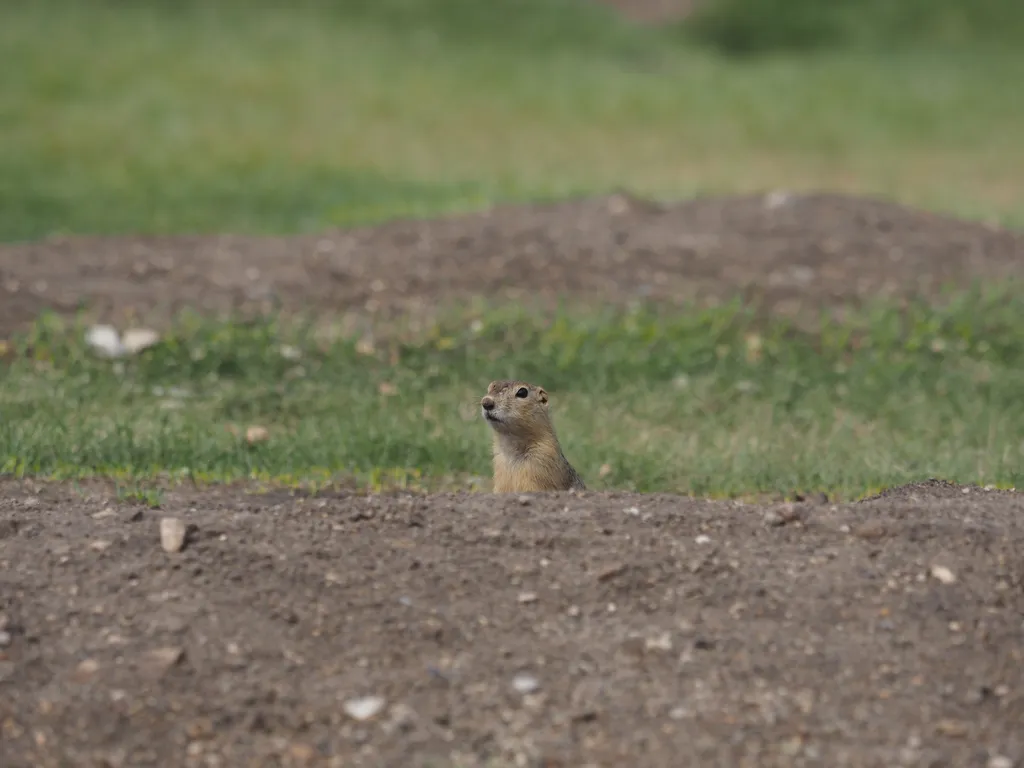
632, 511
86, 670
364, 708
172, 534
999, 761
525, 683
943, 574
660, 642
5, 638
527, 597
703, 539
302, 753
105, 340
953, 728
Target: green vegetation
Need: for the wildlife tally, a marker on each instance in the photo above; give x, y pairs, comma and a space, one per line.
257, 117
758, 26
703, 401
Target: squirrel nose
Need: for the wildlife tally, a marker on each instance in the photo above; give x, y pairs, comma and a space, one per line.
487, 403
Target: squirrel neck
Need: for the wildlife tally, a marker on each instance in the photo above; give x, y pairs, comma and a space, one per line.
527, 446
531, 438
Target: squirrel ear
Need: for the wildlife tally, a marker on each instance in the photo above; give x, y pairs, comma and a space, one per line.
542, 395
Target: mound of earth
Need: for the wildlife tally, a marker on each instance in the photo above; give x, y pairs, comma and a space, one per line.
473, 630
788, 253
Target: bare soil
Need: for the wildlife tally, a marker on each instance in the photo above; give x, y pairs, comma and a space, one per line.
557, 630
791, 255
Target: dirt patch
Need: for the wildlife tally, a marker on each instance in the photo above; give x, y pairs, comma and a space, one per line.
604, 630
790, 254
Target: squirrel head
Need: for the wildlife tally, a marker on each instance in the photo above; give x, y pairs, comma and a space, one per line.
516, 408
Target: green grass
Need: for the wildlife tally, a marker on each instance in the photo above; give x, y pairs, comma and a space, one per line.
758, 26
250, 117
708, 402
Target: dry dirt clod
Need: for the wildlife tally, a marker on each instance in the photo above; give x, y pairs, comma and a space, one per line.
301, 753
870, 531
172, 534
661, 641
86, 670
610, 572
953, 728
256, 434
156, 663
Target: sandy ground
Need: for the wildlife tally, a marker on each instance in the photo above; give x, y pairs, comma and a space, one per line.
475, 630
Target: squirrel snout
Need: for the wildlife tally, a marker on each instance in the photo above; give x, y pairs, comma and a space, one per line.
487, 403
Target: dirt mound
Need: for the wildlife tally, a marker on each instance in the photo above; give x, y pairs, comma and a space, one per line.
928, 489
605, 630
790, 253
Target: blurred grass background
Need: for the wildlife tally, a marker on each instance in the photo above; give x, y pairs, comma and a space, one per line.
253, 117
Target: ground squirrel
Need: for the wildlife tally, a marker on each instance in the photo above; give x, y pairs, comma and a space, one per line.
527, 455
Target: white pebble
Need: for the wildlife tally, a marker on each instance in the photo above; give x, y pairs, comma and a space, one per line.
105, 340
172, 534
135, 340
943, 574
525, 683
364, 707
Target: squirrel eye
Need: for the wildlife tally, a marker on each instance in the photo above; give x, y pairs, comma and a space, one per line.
522, 392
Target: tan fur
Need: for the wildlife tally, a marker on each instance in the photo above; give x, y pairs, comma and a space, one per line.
527, 455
